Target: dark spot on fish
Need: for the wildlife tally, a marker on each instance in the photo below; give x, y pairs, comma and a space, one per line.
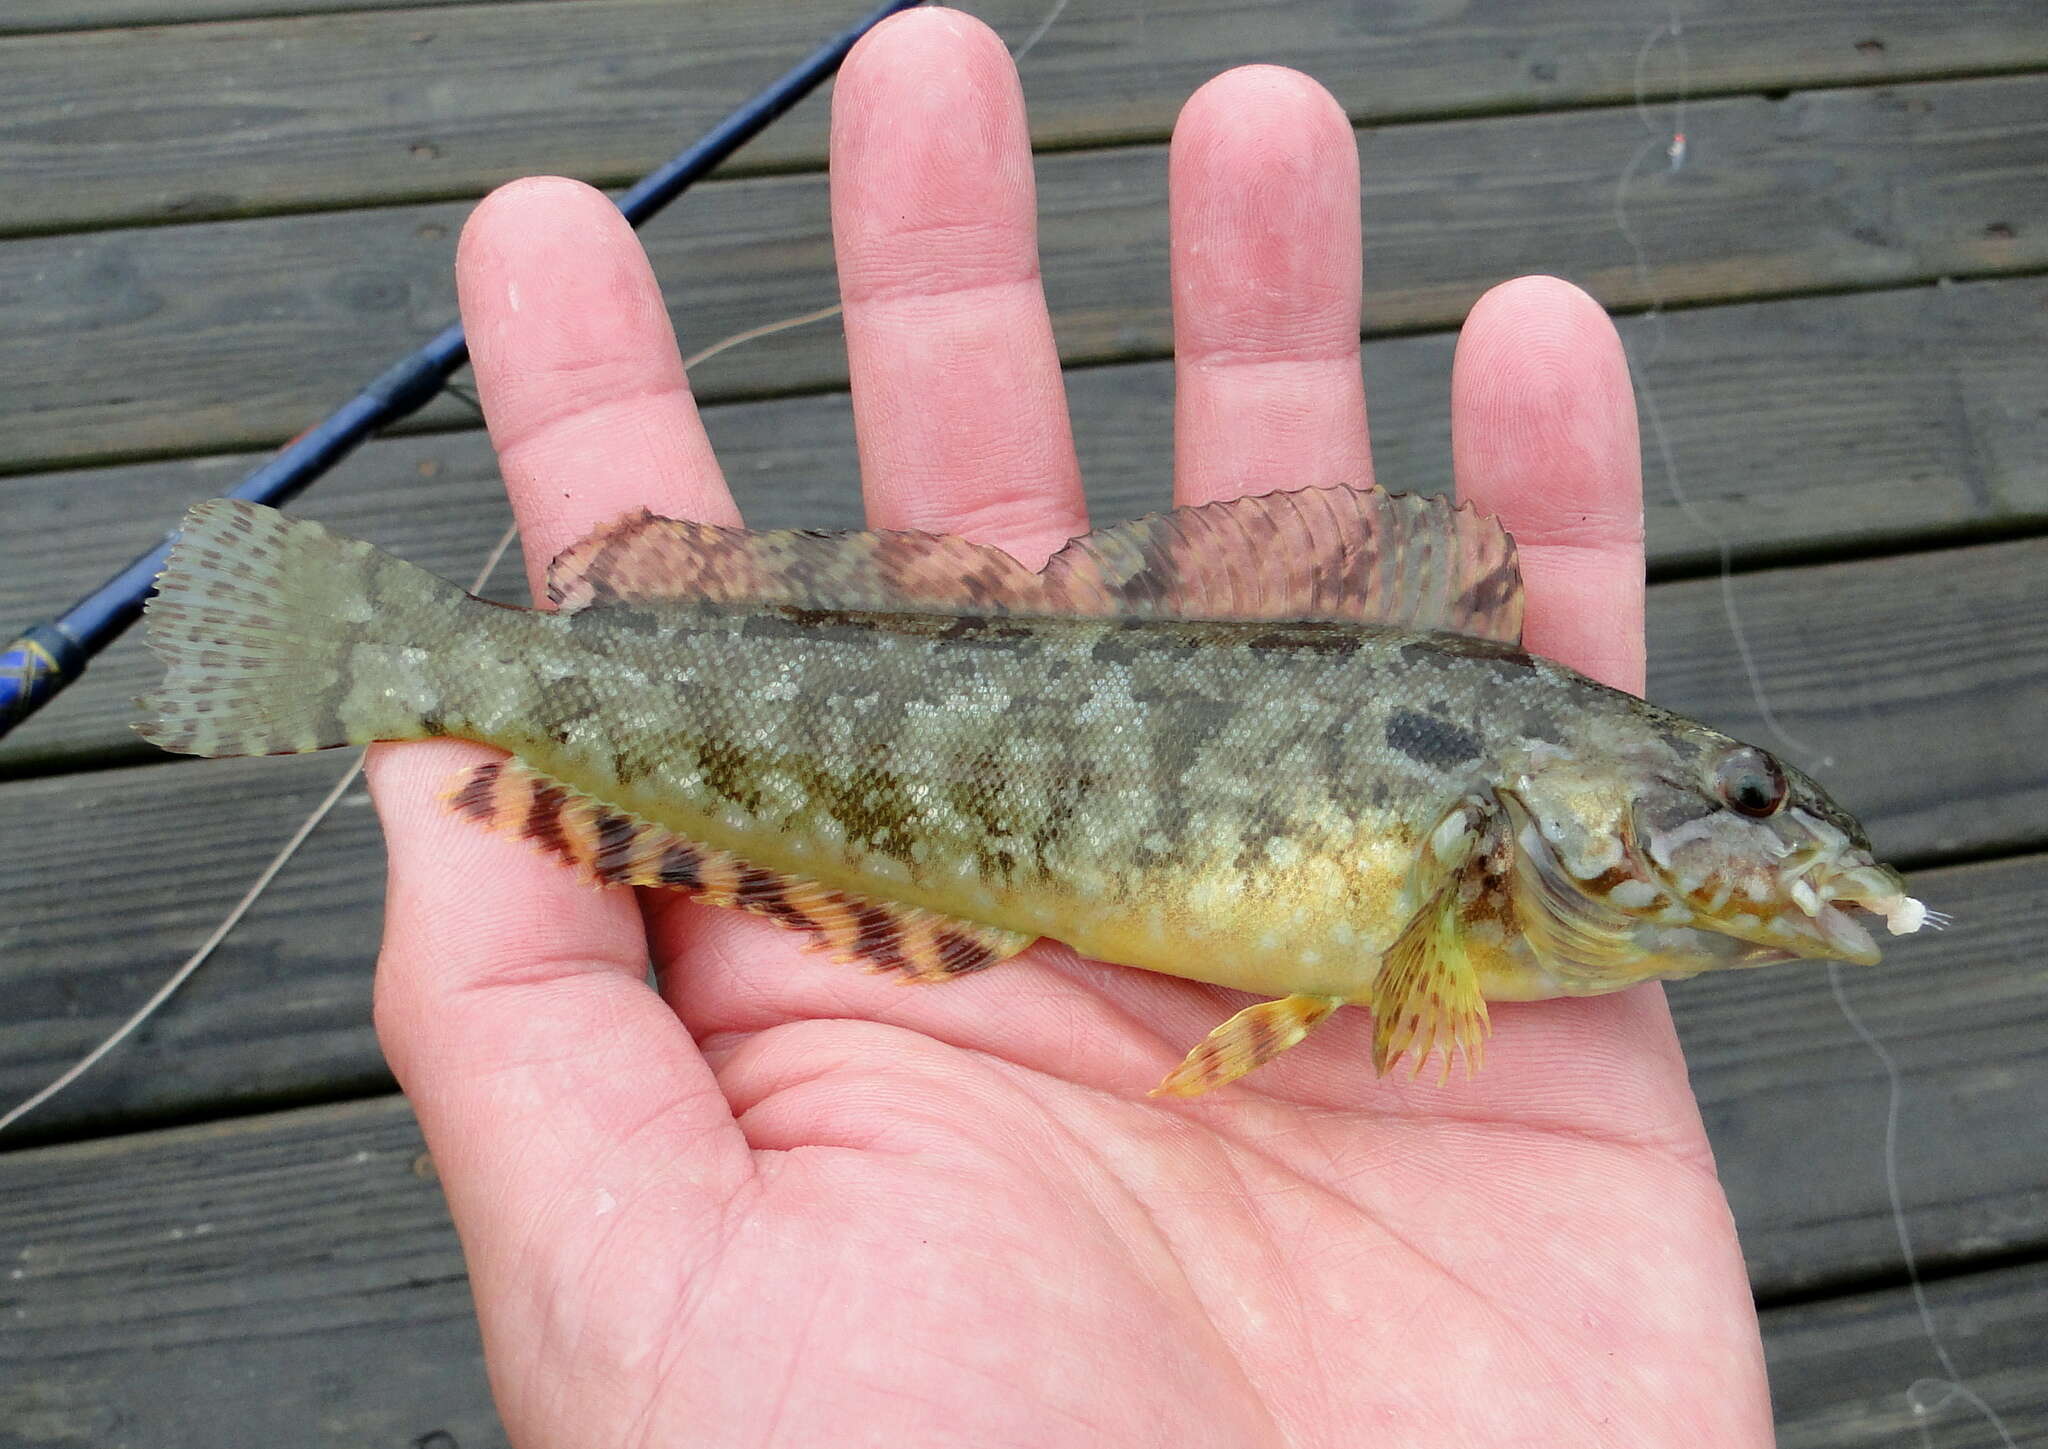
1195, 718
1437, 647
1309, 639
680, 868
544, 819
1487, 596
1121, 643
636, 621
1265, 824
615, 834
849, 620
989, 632
880, 938
1060, 806
981, 792
432, 723
597, 572
766, 624
1541, 725
474, 798
762, 890
960, 954
727, 773
989, 585
1434, 742
1680, 744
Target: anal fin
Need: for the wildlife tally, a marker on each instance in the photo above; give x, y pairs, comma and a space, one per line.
608, 846
1249, 1039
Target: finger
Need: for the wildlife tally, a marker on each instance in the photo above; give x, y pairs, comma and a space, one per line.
511, 1003
509, 998
1543, 436
1263, 179
957, 398
576, 363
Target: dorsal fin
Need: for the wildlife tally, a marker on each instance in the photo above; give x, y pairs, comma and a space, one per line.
643, 558
1350, 555
1338, 554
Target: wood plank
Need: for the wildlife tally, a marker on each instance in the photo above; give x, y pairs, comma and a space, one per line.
1796, 426
1847, 1373
1796, 1104
302, 1266
1792, 1099
281, 1280
322, 110
192, 339
41, 17
1913, 685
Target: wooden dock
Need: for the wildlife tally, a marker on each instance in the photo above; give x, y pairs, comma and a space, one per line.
222, 216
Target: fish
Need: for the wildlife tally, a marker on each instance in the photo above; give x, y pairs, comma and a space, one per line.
1289, 743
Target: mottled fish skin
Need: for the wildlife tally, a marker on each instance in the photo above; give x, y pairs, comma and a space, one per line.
1231, 802
1322, 770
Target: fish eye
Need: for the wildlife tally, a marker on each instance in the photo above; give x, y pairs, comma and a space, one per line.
1750, 782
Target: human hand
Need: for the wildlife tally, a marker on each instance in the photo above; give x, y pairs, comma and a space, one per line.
783, 1202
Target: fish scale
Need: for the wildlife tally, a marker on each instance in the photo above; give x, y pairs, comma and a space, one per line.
1289, 744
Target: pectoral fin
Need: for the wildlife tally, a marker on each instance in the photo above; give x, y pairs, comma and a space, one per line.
1427, 989
1251, 1038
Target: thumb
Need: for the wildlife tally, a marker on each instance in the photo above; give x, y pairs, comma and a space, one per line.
560, 1096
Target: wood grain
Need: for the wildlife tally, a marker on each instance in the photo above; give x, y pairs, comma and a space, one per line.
1796, 427
277, 1280
1847, 1373
1913, 685
192, 339
1796, 1103
38, 17
316, 110
293, 1279
181, 280
1793, 1101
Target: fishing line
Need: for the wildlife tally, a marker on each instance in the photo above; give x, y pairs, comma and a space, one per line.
1673, 143
327, 803
1051, 18
1954, 1386
340, 788
1675, 148
769, 329
235, 913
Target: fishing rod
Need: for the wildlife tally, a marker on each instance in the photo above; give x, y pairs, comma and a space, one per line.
49, 655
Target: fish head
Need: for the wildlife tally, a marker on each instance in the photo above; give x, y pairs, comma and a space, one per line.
1679, 850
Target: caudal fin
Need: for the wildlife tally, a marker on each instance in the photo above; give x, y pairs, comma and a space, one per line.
282, 637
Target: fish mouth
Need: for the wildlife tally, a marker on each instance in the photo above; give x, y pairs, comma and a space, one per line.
1825, 890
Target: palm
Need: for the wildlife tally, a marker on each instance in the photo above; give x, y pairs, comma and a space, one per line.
782, 1202
965, 1213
